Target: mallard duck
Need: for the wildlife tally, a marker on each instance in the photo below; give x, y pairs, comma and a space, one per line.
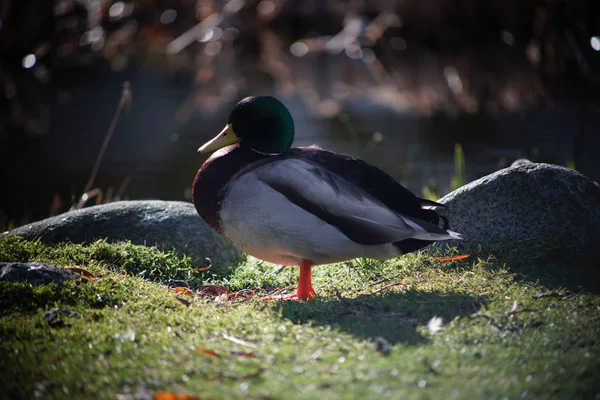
304, 206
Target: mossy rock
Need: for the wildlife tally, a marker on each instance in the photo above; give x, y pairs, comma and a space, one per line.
169, 225
529, 203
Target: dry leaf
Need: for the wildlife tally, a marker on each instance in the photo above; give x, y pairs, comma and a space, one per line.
182, 290
242, 354
183, 301
173, 396
209, 289
81, 271
453, 258
208, 352
164, 396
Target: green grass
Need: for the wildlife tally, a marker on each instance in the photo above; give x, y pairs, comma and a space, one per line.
457, 180
506, 333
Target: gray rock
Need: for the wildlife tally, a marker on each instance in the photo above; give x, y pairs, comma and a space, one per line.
35, 273
528, 201
166, 224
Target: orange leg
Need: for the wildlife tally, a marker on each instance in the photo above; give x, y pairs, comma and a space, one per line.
305, 290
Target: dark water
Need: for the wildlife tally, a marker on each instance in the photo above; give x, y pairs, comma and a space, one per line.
156, 154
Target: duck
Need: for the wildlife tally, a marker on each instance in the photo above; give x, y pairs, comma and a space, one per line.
304, 206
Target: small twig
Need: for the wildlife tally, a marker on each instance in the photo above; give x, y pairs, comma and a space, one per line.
210, 264
278, 270
387, 279
125, 100
240, 341
280, 290
88, 195
386, 286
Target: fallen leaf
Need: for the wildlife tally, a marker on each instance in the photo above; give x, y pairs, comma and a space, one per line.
208, 352
173, 396
182, 290
165, 396
210, 289
81, 271
183, 301
453, 258
242, 354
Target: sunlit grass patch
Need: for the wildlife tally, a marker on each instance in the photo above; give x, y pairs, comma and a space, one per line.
145, 262
412, 327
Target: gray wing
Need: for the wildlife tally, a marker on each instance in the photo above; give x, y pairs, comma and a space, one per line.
358, 215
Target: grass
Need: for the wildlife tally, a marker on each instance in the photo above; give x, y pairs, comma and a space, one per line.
370, 334
457, 180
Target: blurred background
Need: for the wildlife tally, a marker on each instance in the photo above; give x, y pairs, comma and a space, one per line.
103, 100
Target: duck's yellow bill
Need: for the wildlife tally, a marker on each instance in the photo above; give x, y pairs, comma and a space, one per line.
225, 138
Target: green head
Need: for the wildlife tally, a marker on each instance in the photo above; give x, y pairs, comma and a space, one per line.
261, 123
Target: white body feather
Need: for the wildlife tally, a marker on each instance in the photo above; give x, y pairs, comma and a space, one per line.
263, 222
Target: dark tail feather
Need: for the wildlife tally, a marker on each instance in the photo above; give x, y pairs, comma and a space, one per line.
410, 245
434, 218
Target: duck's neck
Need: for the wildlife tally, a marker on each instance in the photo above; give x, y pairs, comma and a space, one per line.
213, 177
